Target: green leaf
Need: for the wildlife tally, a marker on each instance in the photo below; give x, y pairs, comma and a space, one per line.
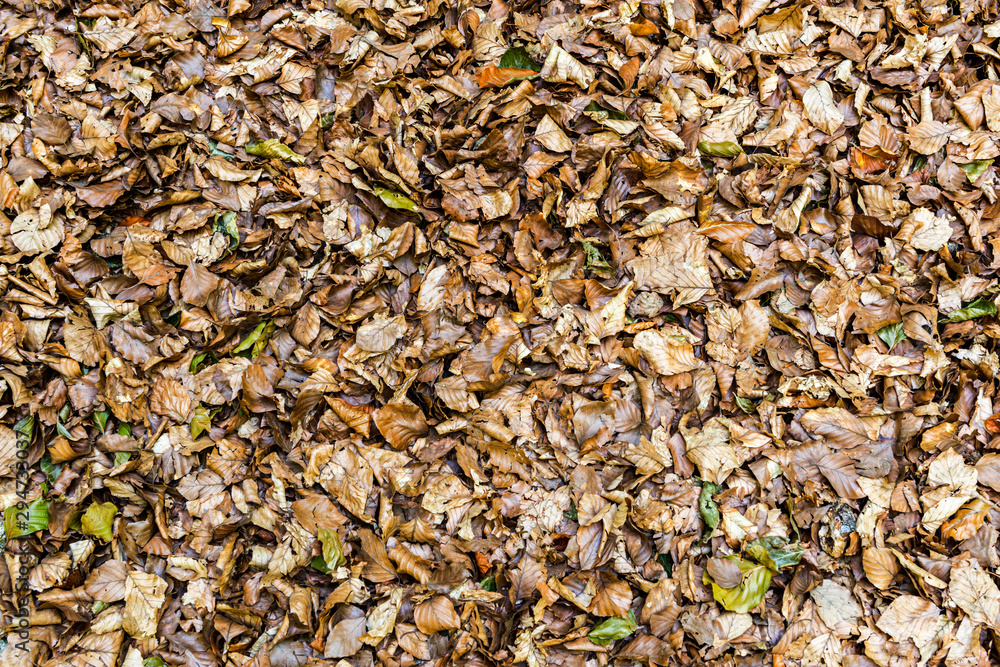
125, 429
101, 419
706, 506
274, 149
50, 469
153, 661
973, 170
24, 429
719, 148
612, 629
333, 549
201, 422
666, 561
518, 58
317, 563
214, 145
595, 108
746, 405
977, 308
892, 334
261, 342
33, 517
98, 520
595, 260
63, 431
326, 120
261, 332
489, 584
572, 514
395, 200
98, 607
775, 552
121, 458
746, 596
197, 362
225, 223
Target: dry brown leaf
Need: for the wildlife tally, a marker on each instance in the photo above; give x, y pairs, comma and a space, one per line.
436, 615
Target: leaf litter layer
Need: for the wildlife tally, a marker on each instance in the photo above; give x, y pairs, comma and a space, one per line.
557, 333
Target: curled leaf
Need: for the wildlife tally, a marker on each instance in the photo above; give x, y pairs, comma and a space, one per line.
275, 150
719, 148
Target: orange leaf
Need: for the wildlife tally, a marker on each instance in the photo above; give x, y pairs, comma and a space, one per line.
643, 28
872, 160
493, 76
483, 563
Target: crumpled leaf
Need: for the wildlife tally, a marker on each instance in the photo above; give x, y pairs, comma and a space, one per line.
775, 552
749, 593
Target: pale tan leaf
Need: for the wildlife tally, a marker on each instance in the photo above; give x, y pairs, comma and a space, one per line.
561, 67
924, 230
107, 582
973, 591
929, 136
710, 449
224, 170
36, 231
911, 618
551, 136
836, 606
380, 335
821, 108
666, 354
